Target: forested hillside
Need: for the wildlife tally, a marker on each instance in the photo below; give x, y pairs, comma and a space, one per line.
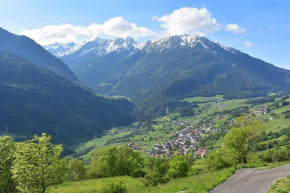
34, 100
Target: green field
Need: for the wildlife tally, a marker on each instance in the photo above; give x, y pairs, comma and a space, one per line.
95, 185
194, 184
100, 142
203, 99
207, 111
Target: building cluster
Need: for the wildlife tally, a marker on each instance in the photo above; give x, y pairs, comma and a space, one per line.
221, 105
262, 110
184, 141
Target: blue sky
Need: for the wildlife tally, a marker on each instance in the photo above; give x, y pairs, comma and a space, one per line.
260, 28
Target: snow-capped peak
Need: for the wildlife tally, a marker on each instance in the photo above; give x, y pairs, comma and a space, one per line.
60, 50
179, 41
100, 47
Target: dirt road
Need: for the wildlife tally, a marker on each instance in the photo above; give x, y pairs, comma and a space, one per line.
252, 180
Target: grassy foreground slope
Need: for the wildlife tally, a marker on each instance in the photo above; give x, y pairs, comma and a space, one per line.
193, 184
281, 186
95, 185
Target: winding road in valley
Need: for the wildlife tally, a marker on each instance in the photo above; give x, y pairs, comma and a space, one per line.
252, 180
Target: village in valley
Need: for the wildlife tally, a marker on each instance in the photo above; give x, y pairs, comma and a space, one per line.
188, 138
176, 134
182, 142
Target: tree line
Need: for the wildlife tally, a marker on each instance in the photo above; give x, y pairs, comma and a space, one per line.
32, 166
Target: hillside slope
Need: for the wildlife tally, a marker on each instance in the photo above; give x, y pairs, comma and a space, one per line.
34, 100
33, 52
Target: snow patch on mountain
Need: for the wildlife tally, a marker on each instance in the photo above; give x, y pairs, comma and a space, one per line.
175, 42
229, 49
100, 47
61, 50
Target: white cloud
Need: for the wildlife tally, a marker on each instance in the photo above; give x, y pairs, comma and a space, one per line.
188, 21
248, 44
117, 27
62, 33
235, 28
121, 28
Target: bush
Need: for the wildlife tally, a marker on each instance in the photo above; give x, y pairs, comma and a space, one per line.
118, 187
178, 168
138, 173
157, 169
215, 162
121, 161
155, 178
278, 155
195, 170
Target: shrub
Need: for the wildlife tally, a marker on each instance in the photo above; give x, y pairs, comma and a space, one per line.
215, 161
138, 173
155, 178
178, 168
195, 170
118, 187
121, 161
277, 155
157, 169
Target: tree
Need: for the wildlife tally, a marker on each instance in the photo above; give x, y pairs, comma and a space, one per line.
76, 170
115, 162
7, 147
241, 139
36, 165
128, 161
95, 167
178, 168
159, 165
157, 169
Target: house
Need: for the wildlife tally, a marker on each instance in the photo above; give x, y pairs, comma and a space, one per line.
201, 152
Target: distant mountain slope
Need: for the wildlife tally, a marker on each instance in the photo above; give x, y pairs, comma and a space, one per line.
61, 50
34, 100
163, 71
77, 53
33, 52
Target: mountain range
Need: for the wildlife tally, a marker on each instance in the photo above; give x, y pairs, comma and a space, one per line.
157, 74
39, 91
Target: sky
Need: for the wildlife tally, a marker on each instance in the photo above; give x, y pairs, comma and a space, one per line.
260, 28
